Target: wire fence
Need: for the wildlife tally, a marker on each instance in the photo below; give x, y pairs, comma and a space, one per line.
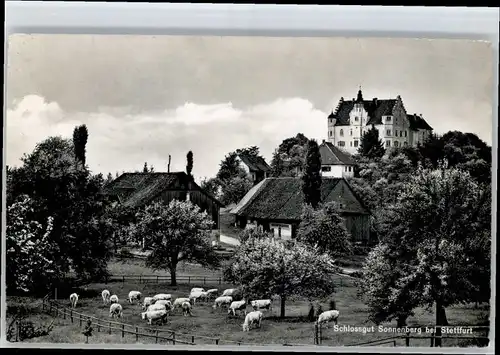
426, 333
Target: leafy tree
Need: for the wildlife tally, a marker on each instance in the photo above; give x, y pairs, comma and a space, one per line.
253, 233
290, 156
324, 228
437, 241
29, 248
311, 180
252, 151
371, 145
267, 267
109, 178
277, 164
80, 138
189, 166
145, 169
229, 167
233, 190
176, 232
212, 186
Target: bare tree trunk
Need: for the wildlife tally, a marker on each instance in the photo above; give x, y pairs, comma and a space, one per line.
401, 321
173, 276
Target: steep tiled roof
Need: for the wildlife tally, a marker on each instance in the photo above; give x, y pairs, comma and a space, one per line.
282, 199
138, 189
331, 155
418, 122
255, 163
375, 109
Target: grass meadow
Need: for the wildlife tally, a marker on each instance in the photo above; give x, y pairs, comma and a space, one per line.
210, 323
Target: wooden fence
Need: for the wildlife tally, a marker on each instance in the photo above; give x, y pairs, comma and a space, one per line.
318, 337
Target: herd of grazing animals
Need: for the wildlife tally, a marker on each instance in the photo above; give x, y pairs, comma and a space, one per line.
160, 306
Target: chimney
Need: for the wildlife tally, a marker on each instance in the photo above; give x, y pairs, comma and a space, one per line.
168, 166
323, 141
375, 101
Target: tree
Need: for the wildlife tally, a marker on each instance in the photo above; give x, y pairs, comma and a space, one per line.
176, 232
29, 248
189, 166
437, 241
290, 156
370, 145
211, 186
252, 151
229, 167
109, 178
277, 164
268, 266
80, 138
324, 228
311, 180
233, 190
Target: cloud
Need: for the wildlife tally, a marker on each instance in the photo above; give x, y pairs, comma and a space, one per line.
122, 140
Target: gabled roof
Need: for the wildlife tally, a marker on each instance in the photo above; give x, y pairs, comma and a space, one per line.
375, 109
282, 199
138, 189
331, 155
254, 163
418, 122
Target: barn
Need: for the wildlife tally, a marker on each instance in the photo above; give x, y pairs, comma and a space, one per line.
276, 205
140, 189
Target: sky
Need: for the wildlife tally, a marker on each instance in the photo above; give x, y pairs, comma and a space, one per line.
144, 98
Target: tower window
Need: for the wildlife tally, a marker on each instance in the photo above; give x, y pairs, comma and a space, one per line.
355, 143
330, 133
387, 143
406, 133
388, 132
350, 132
356, 118
341, 132
401, 133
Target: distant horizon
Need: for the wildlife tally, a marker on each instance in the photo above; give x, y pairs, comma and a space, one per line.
145, 97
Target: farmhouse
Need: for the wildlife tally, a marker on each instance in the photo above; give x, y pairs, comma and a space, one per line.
276, 205
335, 162
351, 118
255, 166
139, 189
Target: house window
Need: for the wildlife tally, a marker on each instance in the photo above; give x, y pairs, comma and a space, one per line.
350, 132
355, 143
350, 143
396, 144
350, 168
356, 118
345, 168
396, 132
330, 133
401, 133
341, 132
388, 119
388, 132
326, 168
405, 143
331, 120
341, 205
387, 143
341, 143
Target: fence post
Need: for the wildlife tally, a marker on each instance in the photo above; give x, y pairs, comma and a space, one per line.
136, 333
216, 341
98, 327
123, 330
204, 280
64, 314
173, 338
408, 339
316, 341
320, 335
109, 328
432, 340
156, 336
80, 317
123, 279
55, 293
192, 339
220, 280
189, 280
157, 279
71, 315
17, 330
140, 279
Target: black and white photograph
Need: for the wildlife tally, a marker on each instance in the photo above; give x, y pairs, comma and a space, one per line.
237, 191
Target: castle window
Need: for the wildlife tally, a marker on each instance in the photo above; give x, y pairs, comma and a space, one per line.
396, 143
350, 132
355, 143
396, 132
341, 132
331, 120
330, 133
356, 118
388, 132
387, 143
341, 143
326, 168
388, 119
350, 143
405, 143
401, 133
406, 133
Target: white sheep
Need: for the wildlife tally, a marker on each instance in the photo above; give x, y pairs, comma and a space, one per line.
148, 301
73, 299
212, 292
328, 316
179, 301
198, 294
113, 299
166, 303
155, 315
162, 296
228, 292
115, 310
156, 307
105, 296
186, 308
222, 300
237, 306
134, 296
262, 304
254, 317
195, 289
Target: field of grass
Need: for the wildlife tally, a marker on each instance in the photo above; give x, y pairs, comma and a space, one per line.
209, 323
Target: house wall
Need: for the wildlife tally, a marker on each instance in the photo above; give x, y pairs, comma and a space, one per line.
358, 226
281, 230
196, 197
337, 171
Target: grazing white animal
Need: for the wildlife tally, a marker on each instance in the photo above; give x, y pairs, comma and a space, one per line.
162, 296
262, 304
186, 309
156, 307
222, 300
115, 310
148, 301
73, 299
328, 316
228, 292
212, 292
105, 296
166, 303
194, 289
113, 299
178, 302
237, 306
198, 294
254, 317
134, 296
155, 315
